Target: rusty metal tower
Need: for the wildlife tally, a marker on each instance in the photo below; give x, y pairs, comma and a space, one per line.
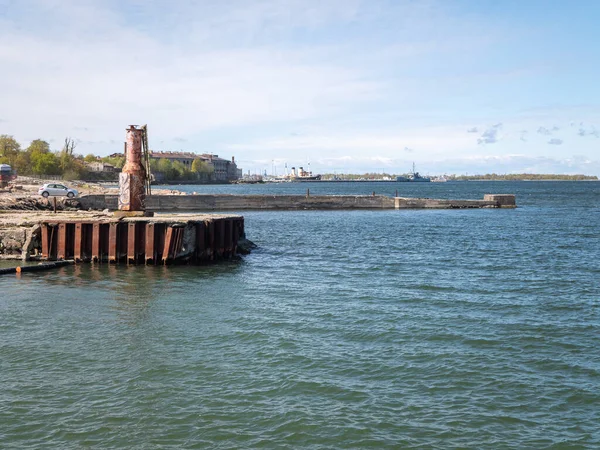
133, 180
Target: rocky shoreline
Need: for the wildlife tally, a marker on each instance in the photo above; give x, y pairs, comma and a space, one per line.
19, 223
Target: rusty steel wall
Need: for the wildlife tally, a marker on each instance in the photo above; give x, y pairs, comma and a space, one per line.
142, 242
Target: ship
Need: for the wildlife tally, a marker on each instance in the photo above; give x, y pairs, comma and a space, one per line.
303, 175
414, 176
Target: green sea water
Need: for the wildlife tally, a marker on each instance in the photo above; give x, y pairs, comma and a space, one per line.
344, 329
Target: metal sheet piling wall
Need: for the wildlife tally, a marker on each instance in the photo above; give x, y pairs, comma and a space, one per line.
141, 241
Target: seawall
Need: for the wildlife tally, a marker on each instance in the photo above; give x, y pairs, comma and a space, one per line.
489, 201
84, 236
227, 202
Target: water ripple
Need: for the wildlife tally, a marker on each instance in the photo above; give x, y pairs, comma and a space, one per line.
362, 329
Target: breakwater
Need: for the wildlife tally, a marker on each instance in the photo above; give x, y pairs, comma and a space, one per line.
224, 202
92, 237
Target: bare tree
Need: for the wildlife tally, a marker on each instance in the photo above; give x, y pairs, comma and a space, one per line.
69, 146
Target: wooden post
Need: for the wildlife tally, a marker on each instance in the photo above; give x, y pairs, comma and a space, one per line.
54, 204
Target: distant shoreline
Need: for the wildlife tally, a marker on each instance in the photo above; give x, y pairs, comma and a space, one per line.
378, 181
526, 179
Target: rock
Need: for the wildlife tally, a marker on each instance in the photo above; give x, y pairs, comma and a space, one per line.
245, 246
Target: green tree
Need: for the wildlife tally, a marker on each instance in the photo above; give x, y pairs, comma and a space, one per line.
90, 158
76, 171
44, 164
9, 149
166, 167
22, 164
201, 166
180, 171
118, 161
38, 146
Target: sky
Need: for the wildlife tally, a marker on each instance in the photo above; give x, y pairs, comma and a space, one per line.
349, 86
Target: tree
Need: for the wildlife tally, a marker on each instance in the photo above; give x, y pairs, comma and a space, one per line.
90, 158
76, 170
9, 149
69, 146
44, 163
166, 167
118, 161
38, 146
201, 166
22, 163
180, 171
66, 155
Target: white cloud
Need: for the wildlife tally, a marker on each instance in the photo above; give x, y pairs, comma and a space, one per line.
490, 135
359, 80
515, 163
110, 75
430, 140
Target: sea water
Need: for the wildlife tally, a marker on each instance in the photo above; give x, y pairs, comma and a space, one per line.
344, 329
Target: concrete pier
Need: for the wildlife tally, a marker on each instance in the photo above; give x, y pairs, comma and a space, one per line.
104, 238
489, 201
225, 202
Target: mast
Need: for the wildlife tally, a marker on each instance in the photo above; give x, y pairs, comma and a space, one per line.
146, 159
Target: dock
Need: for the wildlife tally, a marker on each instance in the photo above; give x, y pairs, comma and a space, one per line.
231, 202
106, 238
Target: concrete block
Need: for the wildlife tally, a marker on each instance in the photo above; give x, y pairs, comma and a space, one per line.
502, 200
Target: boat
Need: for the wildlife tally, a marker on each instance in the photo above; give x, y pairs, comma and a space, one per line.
413, 177
303, 175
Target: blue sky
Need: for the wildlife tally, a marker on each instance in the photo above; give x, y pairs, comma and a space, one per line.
349, 85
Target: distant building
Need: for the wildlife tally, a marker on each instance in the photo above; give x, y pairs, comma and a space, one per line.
185, 158
224, 170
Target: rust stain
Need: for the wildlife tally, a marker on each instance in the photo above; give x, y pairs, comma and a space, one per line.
132, 180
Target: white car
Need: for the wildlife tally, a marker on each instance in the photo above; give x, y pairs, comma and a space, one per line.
56, 190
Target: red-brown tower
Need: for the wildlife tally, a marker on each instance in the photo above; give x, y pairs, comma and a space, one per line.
132, 179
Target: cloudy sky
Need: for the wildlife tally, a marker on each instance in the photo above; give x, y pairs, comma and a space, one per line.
457, 86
